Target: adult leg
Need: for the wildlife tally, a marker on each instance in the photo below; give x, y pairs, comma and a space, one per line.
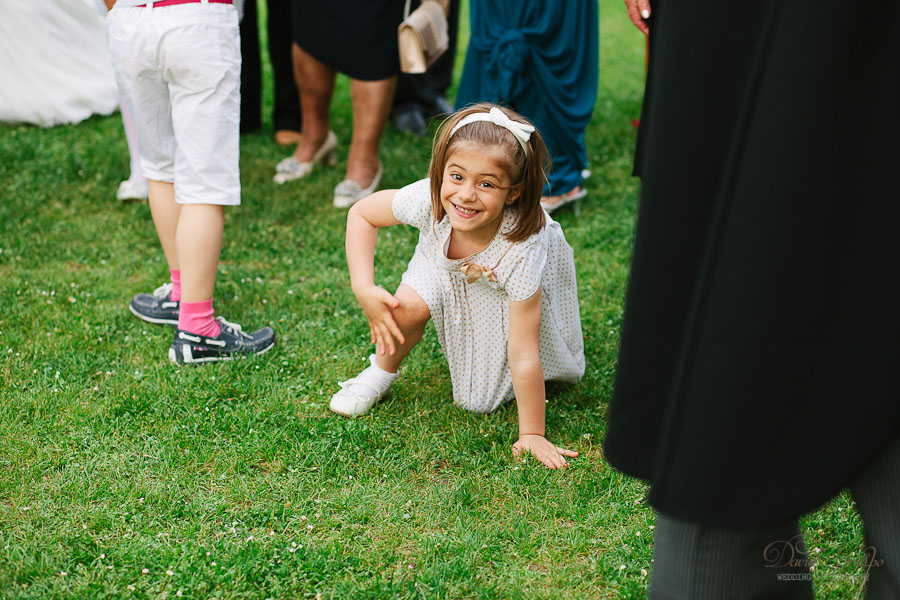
371, 107
877, 496
411, 317
428, 90
286, 116
442, 70
315, 80
700, 563
251, 74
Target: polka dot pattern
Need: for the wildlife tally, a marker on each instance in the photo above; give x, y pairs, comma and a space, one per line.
472, 319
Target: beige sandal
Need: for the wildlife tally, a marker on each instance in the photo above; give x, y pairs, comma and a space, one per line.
552, 203
290, 168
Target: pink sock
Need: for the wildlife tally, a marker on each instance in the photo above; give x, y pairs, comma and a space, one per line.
197, 318
175, 276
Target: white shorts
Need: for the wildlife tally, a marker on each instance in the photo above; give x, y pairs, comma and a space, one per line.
179, 69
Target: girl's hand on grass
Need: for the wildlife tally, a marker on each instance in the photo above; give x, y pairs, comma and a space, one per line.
377, 303
543, 450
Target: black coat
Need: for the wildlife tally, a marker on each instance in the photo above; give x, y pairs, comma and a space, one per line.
759, 368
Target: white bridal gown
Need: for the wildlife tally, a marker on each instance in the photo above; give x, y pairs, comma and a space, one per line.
54, 64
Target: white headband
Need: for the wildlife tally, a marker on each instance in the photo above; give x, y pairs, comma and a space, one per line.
521, 131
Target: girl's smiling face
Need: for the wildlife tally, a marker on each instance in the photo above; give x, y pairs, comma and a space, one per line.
476, 187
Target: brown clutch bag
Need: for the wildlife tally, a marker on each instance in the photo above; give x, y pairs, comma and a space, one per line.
423, 35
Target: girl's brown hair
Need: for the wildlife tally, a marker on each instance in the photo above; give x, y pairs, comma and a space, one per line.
526, 170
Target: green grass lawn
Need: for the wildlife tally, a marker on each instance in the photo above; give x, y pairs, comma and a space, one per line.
123, 476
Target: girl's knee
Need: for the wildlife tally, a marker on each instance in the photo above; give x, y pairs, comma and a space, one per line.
412, 308
413, 312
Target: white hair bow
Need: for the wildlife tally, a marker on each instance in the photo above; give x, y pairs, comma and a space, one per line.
521, 131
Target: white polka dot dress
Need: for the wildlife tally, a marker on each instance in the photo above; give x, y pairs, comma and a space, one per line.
472, 319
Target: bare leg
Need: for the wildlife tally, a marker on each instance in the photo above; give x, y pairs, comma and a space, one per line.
371, 107
411, 317
198, 241
165, 214
315, 80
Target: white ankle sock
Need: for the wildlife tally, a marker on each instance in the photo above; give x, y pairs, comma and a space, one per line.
372, 381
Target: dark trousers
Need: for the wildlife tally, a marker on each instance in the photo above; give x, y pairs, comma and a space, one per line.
286, 109
698, 563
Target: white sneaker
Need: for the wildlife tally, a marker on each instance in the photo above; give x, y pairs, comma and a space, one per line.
352, 404
128, 191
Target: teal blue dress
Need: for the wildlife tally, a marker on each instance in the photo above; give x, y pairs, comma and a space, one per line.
539, 58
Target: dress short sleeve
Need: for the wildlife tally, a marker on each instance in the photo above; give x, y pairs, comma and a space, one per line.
412, 204
526, 274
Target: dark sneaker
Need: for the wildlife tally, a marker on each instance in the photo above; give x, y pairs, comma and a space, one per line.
157, 307
232, 342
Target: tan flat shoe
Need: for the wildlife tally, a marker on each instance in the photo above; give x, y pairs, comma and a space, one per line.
287, 137
290, 168
552, 203
348, 192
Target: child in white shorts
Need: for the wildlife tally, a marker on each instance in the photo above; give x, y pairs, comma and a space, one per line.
178, 65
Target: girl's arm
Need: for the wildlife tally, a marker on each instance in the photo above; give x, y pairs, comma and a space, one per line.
523, 353
363, 221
